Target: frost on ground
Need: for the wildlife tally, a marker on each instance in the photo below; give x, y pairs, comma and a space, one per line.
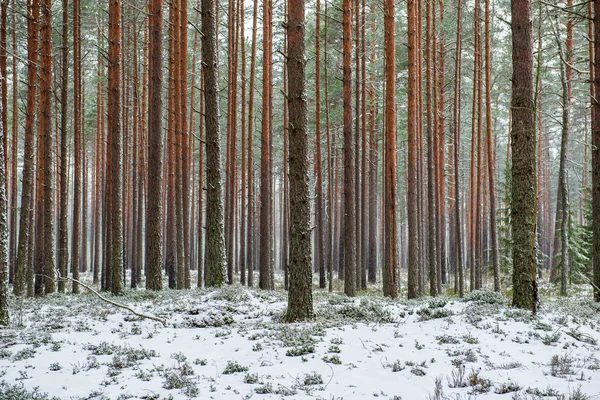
228, 344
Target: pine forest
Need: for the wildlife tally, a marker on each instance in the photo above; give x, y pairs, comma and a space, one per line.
305, 199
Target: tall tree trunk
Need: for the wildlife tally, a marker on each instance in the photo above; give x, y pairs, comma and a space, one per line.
562, 211
4, 84
431, 187
365, 172
372, 245
357, 125
231, 142
12, 255
330, 169
4, 315
596, 157
300, 295
266, 192
116, 133
349, 195
27, 201
98, 169
490, 153
319, 207
45, 127
244, 178
63, 236
215, 250
413, 130
251, 202
390, 238
441, 156
79, 146
285, 224
457, 122
523, 207
185, 147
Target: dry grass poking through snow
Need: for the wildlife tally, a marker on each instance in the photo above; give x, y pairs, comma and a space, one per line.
229, 344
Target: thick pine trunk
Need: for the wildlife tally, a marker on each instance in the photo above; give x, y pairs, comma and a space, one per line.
457, 122
413, 132
78, 146
390, 238
4, 315
300, 293
27, 204
63, 236
349, 165
215, 251
266, 192
523, 207
45, 126
431, 186
115, 131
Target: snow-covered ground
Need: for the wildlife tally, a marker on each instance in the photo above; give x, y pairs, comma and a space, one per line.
229, 344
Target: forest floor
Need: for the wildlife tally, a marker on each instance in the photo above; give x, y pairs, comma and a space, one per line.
229, 344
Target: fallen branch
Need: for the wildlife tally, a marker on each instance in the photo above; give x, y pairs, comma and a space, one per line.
114, 303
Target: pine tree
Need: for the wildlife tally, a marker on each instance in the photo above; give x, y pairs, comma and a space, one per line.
116, 134
215, 251
266, 192
4, 314
300, 305
390, 259
27, 203
413, 129
596, 156
523, 206
154, 213
349, 165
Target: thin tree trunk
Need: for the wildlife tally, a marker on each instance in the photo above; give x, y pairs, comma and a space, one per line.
319, 207
457, 122
372, 245
596, 157
201, 157
330, 162
441, 159
12, 255
490, 153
